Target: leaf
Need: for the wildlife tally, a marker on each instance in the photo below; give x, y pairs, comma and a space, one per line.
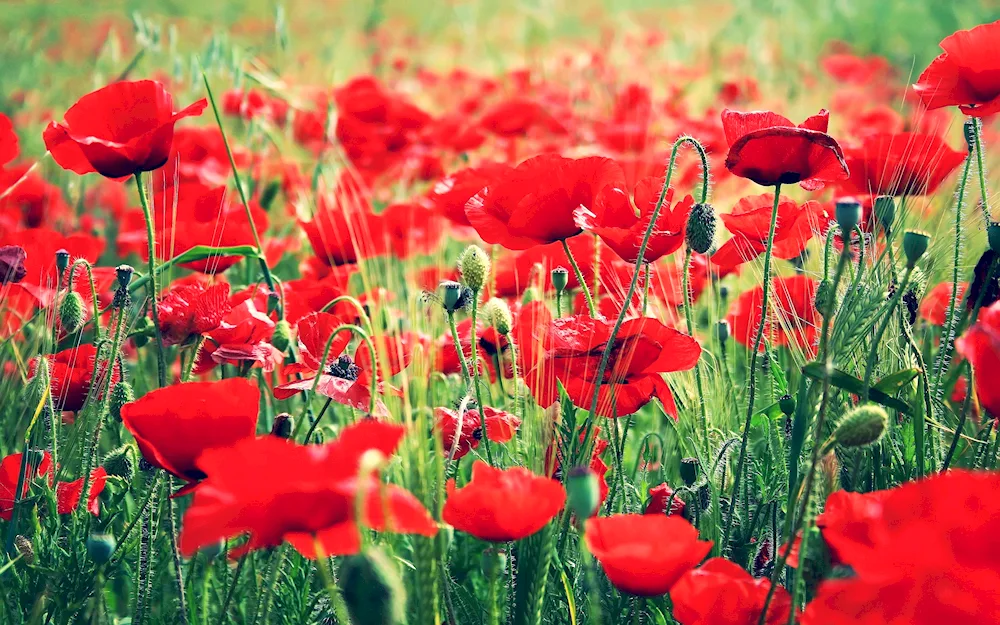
851, 384
895, 382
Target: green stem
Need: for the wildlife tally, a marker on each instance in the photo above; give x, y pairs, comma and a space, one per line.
475, 381
175, 554
686, 287
980, 167
458, 347
579, 278
161, 362
886, 319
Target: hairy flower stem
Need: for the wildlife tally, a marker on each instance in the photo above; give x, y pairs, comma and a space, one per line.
686, 288
82, 262
161, 361
977, 140
752, 371
886, 319
475, 379
175, 554
591, 308
462, 361
145, 564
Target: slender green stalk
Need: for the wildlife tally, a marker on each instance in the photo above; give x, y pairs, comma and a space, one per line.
686, 287
475, 380
175, 553
161, 361
977, 140
877, 339
579, 278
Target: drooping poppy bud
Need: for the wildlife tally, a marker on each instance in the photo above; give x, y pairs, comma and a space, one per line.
71, 312
474, 266
121, 462
787, 405
583, 492
372, 589
689, 470
12, 259
281, 336
498, 313
915, 244
861, 426
121, 394
701, 228
826, 298
100, 547
142, 331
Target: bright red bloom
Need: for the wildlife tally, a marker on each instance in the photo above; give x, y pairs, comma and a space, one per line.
517, 116
721, 593
659, 497
980, 345
243, 337
770, 150
118, 130
967, 74
189, 310
275, 490
450, 194
904, 163
934, 306
643, 350
613, 219
174, 425
534, 204
503, 505
794, 317
642, 554
10, 470
750, 223
71, 375
8, 141
500, 427
68, 493
29, 200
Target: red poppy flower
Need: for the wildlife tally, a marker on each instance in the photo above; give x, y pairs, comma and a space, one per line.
446, 354
659, 497
30, 201
450, 194
934, 307
503, 505
188, 310
174, 425
614, 220
40, 246
967, 74
721, 593
8, 141
642, 554
500, 427
534, 204
71, 375
750, 223
980, 345
905, 163
243, 338
275, 490
770, 150
516, 117
10, 471
68, 493
643, 349
627, 130
794, 309
16, 305
118, 130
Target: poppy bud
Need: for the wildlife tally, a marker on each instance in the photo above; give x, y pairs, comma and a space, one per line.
560, 278
722, 331
993, 236
787, 405
915, 244
62, 261
273, 300
142, 331
122, 298
268, 194
474, 265
121, 394
372, 589
583, 492
861, 426
848, 213
25, 548
71, 312
701, 226
497, 312
100, 547
121, 462
689, 470
281, 336
970, 129
531, 294
826, 298
12, 259
494, 563
282, 426
454, 295
885, 211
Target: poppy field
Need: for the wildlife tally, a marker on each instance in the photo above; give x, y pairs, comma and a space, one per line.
545, 313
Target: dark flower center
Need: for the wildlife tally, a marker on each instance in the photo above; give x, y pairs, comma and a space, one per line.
344, 368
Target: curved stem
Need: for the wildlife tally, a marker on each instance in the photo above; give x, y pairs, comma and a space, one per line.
93, 290
579, 278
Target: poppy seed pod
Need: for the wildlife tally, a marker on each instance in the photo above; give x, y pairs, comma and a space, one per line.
885, 211
583, 492
124, 275
454, 296
861, 426
121, 463
100, 547
121, 394
993, 236
722, 331
787, 405
560, 278
62, 261
282, 335
848, 213
282, 426
373, 589
915, 245
701, 228
497, 312
689, 470
71, 312
474, 266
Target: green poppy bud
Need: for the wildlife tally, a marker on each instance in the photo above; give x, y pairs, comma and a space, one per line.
497, 312
701, 227
826, 298
787, 405
122, 463
583, 492
722, 331
915, 244
885, 211
848, 213
71, 312
689, 470
474, 265
282, 335
560, 278
861, 426
993, 236
372, 589
100, 547
494, 563
121, 394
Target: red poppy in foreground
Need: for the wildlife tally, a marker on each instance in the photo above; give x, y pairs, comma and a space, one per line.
174, 425
68, 493
980, 345
721, 593
118, 130
613, 219
905, 163
275, 490
794, 322
534, 204
450, 194
770, 150
645, 555
503, 505
500, 427
967, 75
643, 349
750, 223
